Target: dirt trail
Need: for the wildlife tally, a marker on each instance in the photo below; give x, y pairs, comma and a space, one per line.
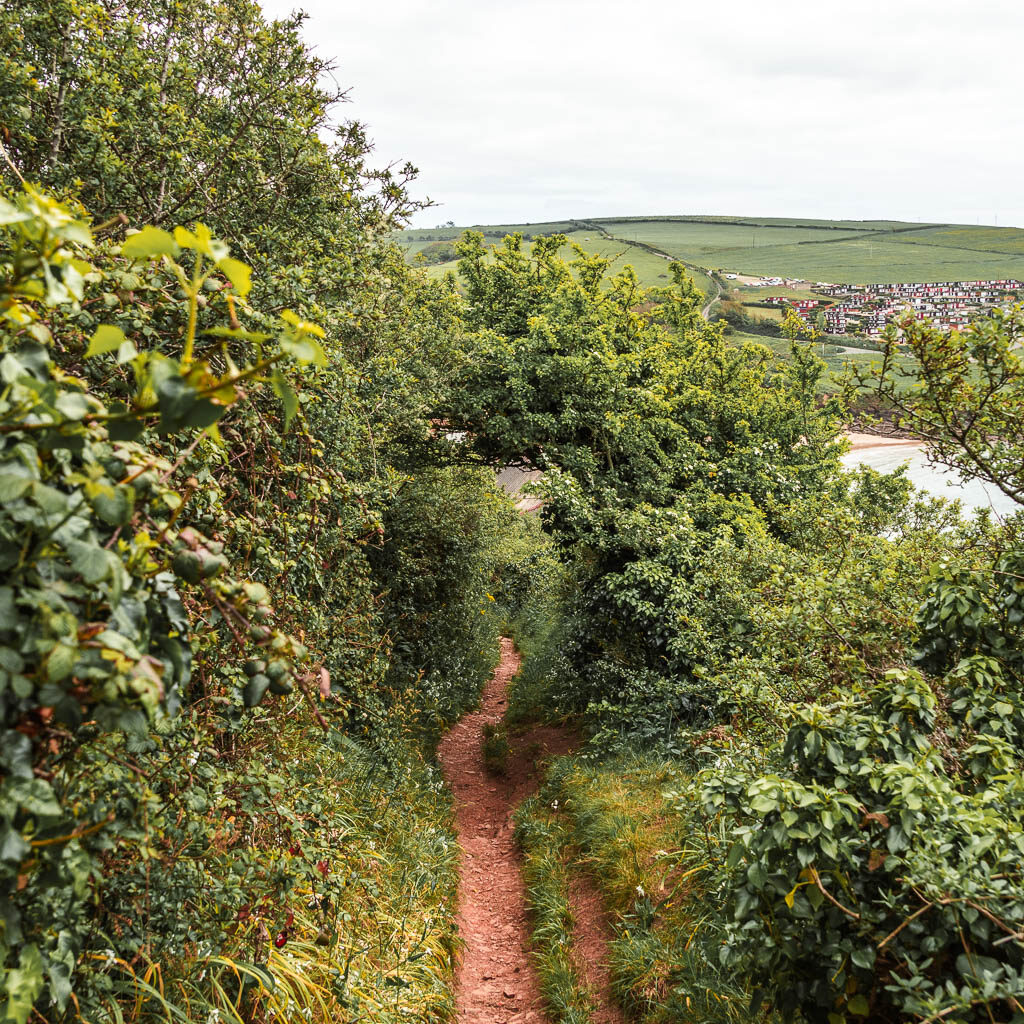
591, 935
496, 982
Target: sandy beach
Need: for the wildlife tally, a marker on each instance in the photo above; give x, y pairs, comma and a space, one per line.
860, 442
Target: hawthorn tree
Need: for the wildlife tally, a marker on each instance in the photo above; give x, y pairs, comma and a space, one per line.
655, 436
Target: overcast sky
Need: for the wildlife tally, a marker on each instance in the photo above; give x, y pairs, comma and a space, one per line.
529, 110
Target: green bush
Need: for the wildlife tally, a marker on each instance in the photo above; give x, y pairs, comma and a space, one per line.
872, 878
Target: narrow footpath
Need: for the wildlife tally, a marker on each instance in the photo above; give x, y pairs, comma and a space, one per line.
496, 982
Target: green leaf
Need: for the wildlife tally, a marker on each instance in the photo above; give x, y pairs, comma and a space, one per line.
238, 332
72, 405
106, 338
302, 326
13, 487
181, 406
304, 350
23, 985
284, 391
127, 352
126, 429
60, 662
62, 965
864, 958
114, 505
858, 1006
37, 797
88, 560
13, 847
255, 689
10, 214
258, 973
150, 241
238, 273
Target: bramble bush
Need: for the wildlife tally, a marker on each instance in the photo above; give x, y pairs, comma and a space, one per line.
219, 686
150, 824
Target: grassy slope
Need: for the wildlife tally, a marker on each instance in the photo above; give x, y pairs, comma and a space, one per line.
651, 860
843, 251
871, 252
650, 269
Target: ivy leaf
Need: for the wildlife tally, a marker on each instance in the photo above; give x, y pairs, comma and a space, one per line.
12, 847
37, 797
23, 985
106, 338
62, 964
16, 755
150, 241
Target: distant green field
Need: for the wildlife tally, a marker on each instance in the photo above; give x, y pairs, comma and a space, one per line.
972, 239
837, 357
839, 251
703, 243
873, 259
551, 227
650, 269
763, 313
852, 252
785, 222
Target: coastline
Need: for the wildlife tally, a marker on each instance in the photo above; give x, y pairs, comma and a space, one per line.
860, 442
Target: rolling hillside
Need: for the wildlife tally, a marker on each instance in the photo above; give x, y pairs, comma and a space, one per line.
853, 252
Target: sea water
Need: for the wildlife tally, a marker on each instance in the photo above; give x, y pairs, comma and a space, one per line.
938, 480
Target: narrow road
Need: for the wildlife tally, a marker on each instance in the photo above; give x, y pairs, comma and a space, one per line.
495, 980
718, 291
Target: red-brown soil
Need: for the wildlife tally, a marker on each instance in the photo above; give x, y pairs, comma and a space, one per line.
591, 934
496, 982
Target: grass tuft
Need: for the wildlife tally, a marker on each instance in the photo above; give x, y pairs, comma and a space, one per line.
495, 746
543, 839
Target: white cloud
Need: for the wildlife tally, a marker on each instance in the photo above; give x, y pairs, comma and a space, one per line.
538, 109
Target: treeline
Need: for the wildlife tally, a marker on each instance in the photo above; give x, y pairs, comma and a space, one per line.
828, 669
245, 578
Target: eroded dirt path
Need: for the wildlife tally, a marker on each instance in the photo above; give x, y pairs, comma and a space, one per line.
591, 936
496, 982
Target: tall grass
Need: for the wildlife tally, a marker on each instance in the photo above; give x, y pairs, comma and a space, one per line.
356, 864
545, 846
654, 862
